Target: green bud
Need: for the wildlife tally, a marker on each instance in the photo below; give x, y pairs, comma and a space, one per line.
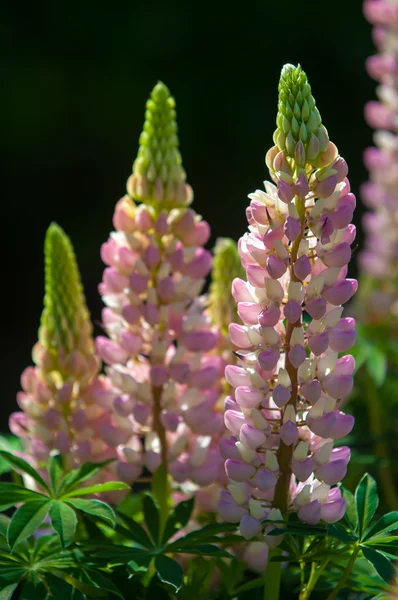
158, 167
65, 321
226, 267
297, 124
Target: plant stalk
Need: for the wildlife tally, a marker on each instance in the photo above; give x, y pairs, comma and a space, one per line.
345, 574
272, 577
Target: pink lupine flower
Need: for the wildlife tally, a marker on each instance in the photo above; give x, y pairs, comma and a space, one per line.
378, 262
159, 351
65, 404
290, 383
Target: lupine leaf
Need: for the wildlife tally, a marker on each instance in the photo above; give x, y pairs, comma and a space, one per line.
169, 571
55, 471
340, 533
64, 521
136, 534
388, 522
391, 541
351, 510
60, 589
152, 517
11, 494
205, 534
203, 550
77, 476
95, 507
178, 518
382, 564
21, 465
108, 486
101, 582
7, 592
120, 554
9, 443
4, 523
26, 520
367, 501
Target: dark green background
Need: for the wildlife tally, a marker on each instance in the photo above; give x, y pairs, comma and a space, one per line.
75, 77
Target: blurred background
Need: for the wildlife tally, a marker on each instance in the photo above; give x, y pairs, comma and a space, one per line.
75, 78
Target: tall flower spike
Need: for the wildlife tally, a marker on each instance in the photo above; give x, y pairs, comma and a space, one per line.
290, 382
158, 175
226, 266
65, 322
164, 379
64, 403
379, 291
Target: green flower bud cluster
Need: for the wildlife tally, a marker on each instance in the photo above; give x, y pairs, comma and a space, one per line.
300, 133
158, 174
65, 322
226, 267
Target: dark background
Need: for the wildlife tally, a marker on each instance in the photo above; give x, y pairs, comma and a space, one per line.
75, 78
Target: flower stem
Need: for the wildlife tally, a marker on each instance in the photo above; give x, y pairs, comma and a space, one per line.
285, 453
345, 575
316, 571
272, 577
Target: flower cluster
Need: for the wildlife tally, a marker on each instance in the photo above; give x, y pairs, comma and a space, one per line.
65, 404
380, 194
163, 371
289, 385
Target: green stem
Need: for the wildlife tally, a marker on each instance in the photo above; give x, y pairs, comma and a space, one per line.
272, 577
345, 575
316, 571
379, 445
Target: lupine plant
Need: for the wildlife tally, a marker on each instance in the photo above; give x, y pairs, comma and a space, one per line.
376, 306
205, 460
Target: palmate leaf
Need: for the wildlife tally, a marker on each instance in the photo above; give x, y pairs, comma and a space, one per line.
350, 516
152, 517
7, 592
135, 532
169, 571
26, 520
207, 534
55, 471
98, 488
100, 581
75, 477
367, 501
204, 550
382, 564
62, 590
9, 443
64, 522
178, 518
119, 555
388, 522
11, 494
97, 508
21, 465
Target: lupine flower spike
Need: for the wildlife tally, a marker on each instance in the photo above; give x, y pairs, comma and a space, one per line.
285, 412
163, 377
379, 260
64, 402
